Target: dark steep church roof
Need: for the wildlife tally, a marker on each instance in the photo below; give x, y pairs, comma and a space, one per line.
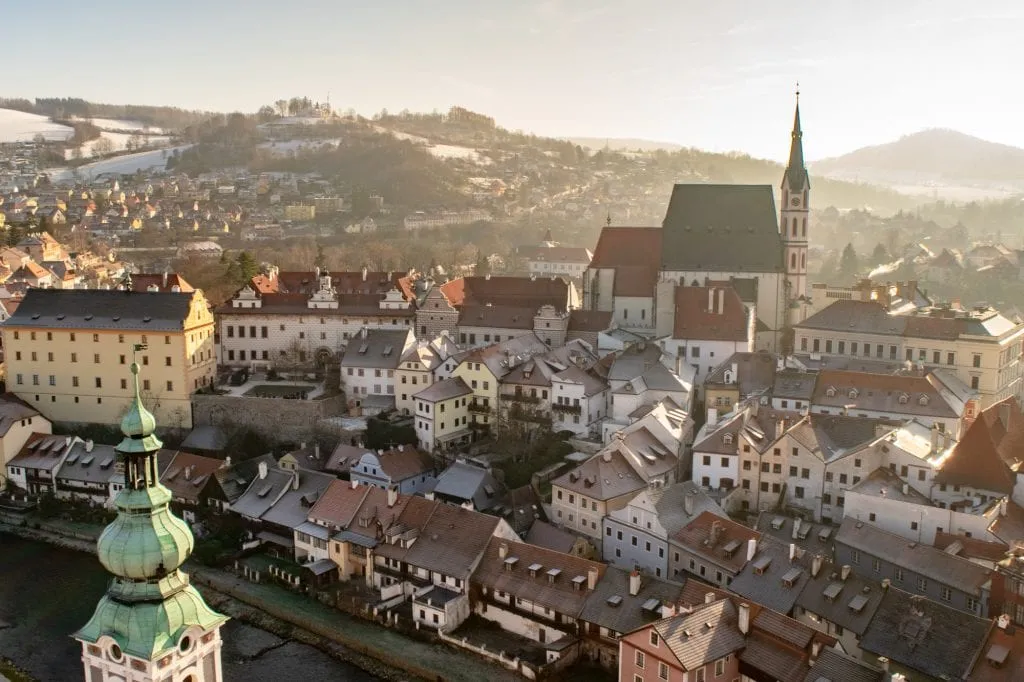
725, 228
796, 174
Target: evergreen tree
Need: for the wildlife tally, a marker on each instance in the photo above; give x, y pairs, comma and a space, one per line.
849, 263
247, 267
880, 254
483, 266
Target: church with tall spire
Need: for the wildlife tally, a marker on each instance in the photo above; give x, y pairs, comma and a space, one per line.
152, 624
750, 238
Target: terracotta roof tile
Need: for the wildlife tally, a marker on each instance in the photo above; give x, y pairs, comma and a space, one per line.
695, 319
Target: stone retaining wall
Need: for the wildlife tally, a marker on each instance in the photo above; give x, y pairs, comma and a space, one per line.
275, 419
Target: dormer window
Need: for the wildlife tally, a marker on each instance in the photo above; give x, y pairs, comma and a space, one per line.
727, 439
923, 400
854, 393
831, 392
904, 398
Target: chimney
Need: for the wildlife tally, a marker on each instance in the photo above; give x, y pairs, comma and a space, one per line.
711, 299
401, 447
721, 301
796, 528
751, 548
295, 480
188, 473
392, 496
688, 503
362, 332
935, 438
1003, 504
744, 618
946, 438
883, 663
736, 372
634, 583
792, 552
503, 550
591, 579
815, 649
302, 445
885, 584
780, 428
1003, 621
607, 455
906, 488
709, 597
263, 470
316, 450
712, 416
227, 463
165, 279
844, 572
89, 445
355, 484
816, 565
365, 273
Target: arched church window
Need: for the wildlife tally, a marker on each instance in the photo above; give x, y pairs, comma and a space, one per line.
803, 229
794, 226
792, 261
803, 260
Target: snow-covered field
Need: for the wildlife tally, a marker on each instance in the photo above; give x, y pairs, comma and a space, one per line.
18, 126
119, 142
283, 147
123, 165
119, 124
441, 151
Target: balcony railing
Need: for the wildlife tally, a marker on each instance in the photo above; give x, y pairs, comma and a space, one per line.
478, 408
517, 413
521, 398
571, 409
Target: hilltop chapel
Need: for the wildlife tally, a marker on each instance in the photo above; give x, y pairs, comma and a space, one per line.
712, 236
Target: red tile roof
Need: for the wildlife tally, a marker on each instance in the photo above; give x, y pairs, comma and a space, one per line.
522, 292
1006, 428
695, 320
141, 282
975, 461
624, 246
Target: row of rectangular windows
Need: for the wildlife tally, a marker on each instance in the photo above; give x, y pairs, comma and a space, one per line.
52, 380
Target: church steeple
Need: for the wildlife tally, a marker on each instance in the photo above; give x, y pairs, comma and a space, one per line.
793, 216
796, 178
151, 624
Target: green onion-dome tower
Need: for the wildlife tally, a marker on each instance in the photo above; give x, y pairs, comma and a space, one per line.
151, 624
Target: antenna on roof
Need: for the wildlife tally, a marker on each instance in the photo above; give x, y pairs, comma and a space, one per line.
608, 220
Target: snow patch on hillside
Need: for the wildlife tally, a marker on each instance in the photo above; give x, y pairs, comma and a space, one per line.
18, 126
128, 164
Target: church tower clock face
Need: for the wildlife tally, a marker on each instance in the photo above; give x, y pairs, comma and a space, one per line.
795, 201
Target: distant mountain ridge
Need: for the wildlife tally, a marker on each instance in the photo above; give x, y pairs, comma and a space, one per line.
937, 157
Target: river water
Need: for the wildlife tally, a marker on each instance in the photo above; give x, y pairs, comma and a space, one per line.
46, 593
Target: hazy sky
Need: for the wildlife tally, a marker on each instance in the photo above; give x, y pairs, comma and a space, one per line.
717, 75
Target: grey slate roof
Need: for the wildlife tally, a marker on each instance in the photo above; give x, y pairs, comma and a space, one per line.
452, 541
292, 509
835, 666
262, 493
932, 563
779, 584
13, 409
925, 635
722, 228
382, 348
545, 535
235, 479
102, 309
828, 596
97, 466
670, 504
205, 438
462, 481
830, 437
629, 614
444, 390
42, 452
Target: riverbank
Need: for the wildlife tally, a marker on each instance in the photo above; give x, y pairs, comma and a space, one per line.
381, 652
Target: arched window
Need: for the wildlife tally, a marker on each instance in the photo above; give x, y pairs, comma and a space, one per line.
794, 226
792, 261
803, 260
804, 228
643, 313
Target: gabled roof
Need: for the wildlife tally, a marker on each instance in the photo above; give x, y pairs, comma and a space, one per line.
463, 482
452, 541
42, 451
633, 253
829, 596
720, 540
338, 504
102, 309
581, 321
551, 537
12, 410
898, 393
235, 479
925, 635
723, 228
293, 507
696, 320
376, 348
405, 461
162, 281
452, 387
1006, 429
975, 461
932, 563
632, 611
528, 577
776, 584
693, 643
835, 666
188, 474
262, 493
517, 292
833, 436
